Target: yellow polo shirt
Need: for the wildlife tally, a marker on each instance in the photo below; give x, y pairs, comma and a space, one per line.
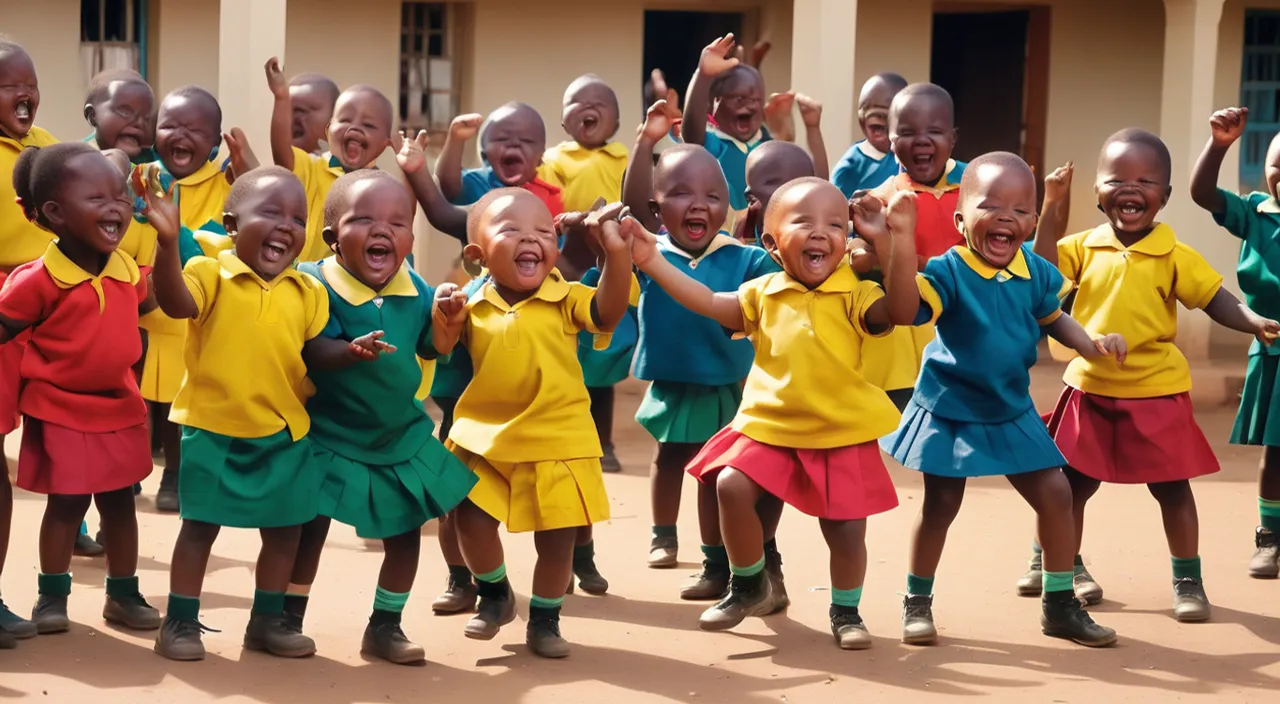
1134, 291
805, 389
526, 401
245, 374
21, 240
317, 173
585, 174
202, 197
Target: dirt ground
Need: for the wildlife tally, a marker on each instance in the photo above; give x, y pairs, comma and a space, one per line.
641, 643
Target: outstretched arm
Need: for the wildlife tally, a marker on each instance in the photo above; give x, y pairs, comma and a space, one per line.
330, 354
449, 165
411, 155
716, 59
1226, 126
811, 115
637, 182
614, 292
1067, 331
1055, 212
901, 301
281, 115
1227, 310
724, 308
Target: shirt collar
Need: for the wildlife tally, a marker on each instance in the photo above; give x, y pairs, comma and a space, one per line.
1269, 206
209, 170
842, 280
355, 292
944, 184
1017, 268
721, 240
744, 147
616, 150
31, 139
867, 150
237, 268
67, 274
335, 165
1159, 242
553, 290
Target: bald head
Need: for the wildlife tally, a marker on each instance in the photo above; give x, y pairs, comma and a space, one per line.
497, 198
928, 96
785, 159
880, 89
791, 193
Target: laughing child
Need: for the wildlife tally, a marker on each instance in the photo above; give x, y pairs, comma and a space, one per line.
511, 145
312, 98
769, 167
870, 162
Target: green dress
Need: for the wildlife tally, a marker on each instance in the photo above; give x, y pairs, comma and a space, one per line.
268, 482
385, 473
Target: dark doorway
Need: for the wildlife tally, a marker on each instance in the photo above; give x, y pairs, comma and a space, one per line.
673, 41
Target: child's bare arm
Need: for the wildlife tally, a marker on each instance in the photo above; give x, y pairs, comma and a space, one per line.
1067, 331
243, 160
446, 217
614, 292
1227, 310
1226, 126
811, 115
1055, 212
577, 255
778, 118
902, 294
724, 308
448, 314
329, 354
171, 290
281, 115
871, 231
449, 165
637, 182
716, 59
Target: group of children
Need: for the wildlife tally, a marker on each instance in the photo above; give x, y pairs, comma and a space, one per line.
792, 330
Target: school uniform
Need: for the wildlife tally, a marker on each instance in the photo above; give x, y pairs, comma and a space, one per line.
807, 428
453, 373
1131, 423
384, 472
863, 168
523, 424
602, 368
1255, 219
585, 174
317, 172
696, 369
971, 414
246, 459
86, 424
477, 182
732, 155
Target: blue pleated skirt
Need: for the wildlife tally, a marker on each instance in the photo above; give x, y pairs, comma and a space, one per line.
949, 448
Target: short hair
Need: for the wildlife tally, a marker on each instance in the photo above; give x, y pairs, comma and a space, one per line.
587, 79
927, 90
738, 72
246, 182
515, 107
894, 81
671, 153
1134, 135
780, 195
40, 171
486, 201
200, 95
315, 79
100, 85
336, 203
383, 101
1008, 160
787, 155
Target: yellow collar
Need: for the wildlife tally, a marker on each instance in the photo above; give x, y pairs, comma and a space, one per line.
67, 274
204, 173
1017, 267
553, 290
1269, 206
35, 137
234, 266
355, 292
1157, 243
943, 185
842, 280
617, 150
666, 244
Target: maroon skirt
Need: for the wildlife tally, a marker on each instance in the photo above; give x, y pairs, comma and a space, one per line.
841, 483
55, 459
1131, 440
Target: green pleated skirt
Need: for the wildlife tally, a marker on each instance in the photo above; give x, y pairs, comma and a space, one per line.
268, 482
687, 413
383, 501
1258, 421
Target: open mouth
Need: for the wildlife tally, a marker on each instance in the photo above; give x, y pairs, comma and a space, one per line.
111, 230
129, 139
378, 255
999, 245
589, 123
22, 111
527, 263
299, 131
181, 157
274, 251
815, 259
353, 151
511, 167
744, 122
1130, 210
695, 228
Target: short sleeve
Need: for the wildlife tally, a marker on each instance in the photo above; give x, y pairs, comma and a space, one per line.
937, 285
1195, 282
576, 308
141, 286
761, 264
201, 275
634, 299
316, 305
712, 143
751, 300
1239, 215
845, 177
474, 185
304, 167
28, 295
1049, 304
860, 300
1071, 257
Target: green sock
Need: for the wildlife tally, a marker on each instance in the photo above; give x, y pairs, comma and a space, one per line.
122, 587
749, 570
715, 554
919, 586
846, 597
1186, 567
270, 603
384, 600
540, 602
183, 608
495, 576
1269, 512
1078, 566
55, 584
1057, 581
664, 531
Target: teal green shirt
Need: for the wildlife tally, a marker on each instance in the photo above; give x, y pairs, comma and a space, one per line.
1255, 219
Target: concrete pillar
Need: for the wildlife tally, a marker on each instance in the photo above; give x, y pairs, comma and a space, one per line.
1190, 67
250, 32
823, 34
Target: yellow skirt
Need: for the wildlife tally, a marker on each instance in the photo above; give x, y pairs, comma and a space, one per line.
546, 495
893, 362
163, 368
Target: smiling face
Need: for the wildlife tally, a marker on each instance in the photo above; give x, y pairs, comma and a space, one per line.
19, 93
997, 209
126, 118
590, 112
691, 197
187, 130
738, 103
93, 207
513, 144
1132, 186
361, 127
312, 106
770, 166
516, 239
922, 128
873, 112
805, 228
375, 233
269, 225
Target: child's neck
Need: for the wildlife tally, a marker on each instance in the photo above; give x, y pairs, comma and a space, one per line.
372, 287
81, 255
511, 296
1128, 239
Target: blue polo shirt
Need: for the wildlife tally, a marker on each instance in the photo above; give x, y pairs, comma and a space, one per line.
1255, 219
622, 341
977, 369
476, 183
860, 169
677, 344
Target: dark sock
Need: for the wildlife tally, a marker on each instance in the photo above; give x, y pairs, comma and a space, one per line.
460, 574
771, 546
54, 584
1186, 567
122, 587
584, 554
296, 604
716, 555
543, 613
749, 583
268, 603
664, 531
381, 617
493, 590
183, 608
1078, 567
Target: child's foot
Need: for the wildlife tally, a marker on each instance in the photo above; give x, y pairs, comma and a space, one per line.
131, 612
749, 596
1063, 617
589, 578
167, 495
609, 462
459, 595
1087, 590
1031, 583
180, 640
7, 641
847, 627
50, 615
1190, 603
664, 553
15, 625
1266, 559
272, 633
87, 547
917, 620
388, 641
542, 634
773, 568
711, 584
497, 608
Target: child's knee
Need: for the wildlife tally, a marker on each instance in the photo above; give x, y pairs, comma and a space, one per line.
68, 507
198, 533
942, 503
732, 486
1171, 493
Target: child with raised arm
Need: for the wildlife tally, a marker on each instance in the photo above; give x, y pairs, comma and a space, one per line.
511, 145
591, 163
523, 424
1255, 219
768, 168
312, 98
870, 162
971, 414
807, 428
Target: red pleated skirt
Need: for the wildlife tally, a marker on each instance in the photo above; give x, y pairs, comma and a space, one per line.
842, 483
1131, 440
55, 459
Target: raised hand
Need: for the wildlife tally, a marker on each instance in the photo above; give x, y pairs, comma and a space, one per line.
411, 154
243, 159
162, 207
810, 110
717, 57
658, 121
777, 115
862, 256
368, 347
901, 216
276, 81
451, 304
868, 215
1057, 185
1227, 126
466, 127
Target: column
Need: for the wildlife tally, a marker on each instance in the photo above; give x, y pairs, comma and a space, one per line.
250, 32
823, 36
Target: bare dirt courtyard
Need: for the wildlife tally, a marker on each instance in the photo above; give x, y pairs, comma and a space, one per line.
641, 643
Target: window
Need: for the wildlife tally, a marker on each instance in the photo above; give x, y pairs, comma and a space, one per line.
1260, 91
111, 33
428, 85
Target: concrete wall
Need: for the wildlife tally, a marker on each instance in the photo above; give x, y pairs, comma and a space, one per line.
50, 32
186, 47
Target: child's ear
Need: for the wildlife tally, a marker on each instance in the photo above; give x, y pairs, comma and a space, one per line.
229, 223
1168, 191
330, 238
958, 219
473, 253
653, 208
91, 115
955, 132
769, 243
52, 212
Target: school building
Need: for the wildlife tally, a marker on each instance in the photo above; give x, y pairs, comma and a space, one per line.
1049, 79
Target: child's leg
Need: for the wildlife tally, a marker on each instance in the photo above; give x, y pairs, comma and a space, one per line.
179, 637
1182, 529
749, 591
1086, 588
58, 530
383, 637
460, 591
666, 479
478, 535
1266, 560
602, 414
769, 509
125, 605
847, 541
306, 565
942, 499
269, 629
553, 568
584, 563
170, 436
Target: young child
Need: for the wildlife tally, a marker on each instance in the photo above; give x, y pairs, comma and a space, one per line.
1255, 219
247, 461
511, 146
358, 133
591, 164
972, 414
385, 474
770, 166
85, 425
1133, 424
121, 108
311, 101
807, 429
870, 162
526, 416
695, 369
